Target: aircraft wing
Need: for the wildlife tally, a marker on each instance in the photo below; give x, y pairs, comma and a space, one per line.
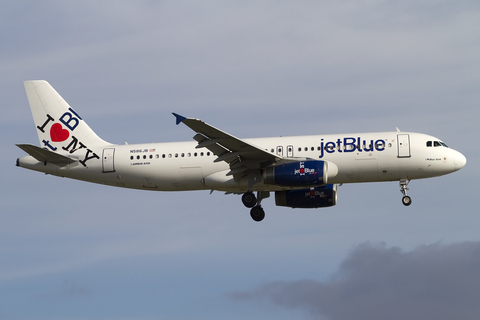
239, 154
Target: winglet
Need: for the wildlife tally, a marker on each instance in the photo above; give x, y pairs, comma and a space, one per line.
179, 117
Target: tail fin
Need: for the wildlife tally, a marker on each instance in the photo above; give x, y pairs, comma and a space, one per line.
58, 125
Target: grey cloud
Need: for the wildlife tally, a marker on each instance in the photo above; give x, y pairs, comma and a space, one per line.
376, 282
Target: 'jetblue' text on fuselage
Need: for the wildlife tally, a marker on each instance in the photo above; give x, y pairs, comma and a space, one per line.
351, 144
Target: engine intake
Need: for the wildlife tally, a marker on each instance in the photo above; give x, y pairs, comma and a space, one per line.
317, 197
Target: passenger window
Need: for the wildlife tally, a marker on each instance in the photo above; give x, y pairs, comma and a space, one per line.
151, 156
138, 157
299, 149
131, 157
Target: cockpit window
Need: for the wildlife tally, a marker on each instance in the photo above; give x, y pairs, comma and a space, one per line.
436, 144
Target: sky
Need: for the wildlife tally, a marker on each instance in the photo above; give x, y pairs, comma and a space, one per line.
74, 250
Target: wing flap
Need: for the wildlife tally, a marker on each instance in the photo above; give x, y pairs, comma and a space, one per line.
229, 156
213, 146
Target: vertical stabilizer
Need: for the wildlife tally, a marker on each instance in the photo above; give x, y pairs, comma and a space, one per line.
59, 127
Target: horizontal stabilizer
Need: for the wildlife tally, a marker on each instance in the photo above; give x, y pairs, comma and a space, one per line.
44, 155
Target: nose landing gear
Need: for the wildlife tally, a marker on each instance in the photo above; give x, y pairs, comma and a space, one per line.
406, 200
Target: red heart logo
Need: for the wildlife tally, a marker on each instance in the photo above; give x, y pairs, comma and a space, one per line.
58, 134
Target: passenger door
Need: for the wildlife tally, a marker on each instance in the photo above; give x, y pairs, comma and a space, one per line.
403, 145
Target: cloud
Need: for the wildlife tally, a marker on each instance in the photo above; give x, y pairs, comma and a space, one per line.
376, 282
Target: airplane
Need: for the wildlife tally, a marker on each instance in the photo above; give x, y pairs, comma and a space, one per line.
302, 171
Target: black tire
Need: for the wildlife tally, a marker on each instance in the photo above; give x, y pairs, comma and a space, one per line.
257, 213
249, 200
406, 200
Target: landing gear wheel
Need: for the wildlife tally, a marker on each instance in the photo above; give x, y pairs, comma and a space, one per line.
257, 213
249, 200
406, 201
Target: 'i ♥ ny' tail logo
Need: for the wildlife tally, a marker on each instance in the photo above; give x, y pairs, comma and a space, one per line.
58, 134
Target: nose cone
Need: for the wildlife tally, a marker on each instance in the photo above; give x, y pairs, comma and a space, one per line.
459, 161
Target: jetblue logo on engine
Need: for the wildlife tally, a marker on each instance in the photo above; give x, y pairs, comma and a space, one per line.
298, 173
302, 170
351, 144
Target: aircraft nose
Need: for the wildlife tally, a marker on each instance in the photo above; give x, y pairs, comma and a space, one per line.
459, 161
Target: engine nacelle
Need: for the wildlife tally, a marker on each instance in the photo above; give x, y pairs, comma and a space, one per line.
317, 197
297, 174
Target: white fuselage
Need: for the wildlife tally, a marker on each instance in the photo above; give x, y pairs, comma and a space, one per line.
303, 171
177, 166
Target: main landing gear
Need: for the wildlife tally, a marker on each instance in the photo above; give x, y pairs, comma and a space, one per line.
406, 200
250, 201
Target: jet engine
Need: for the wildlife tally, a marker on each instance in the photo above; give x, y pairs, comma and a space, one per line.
317, 197
300, 173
